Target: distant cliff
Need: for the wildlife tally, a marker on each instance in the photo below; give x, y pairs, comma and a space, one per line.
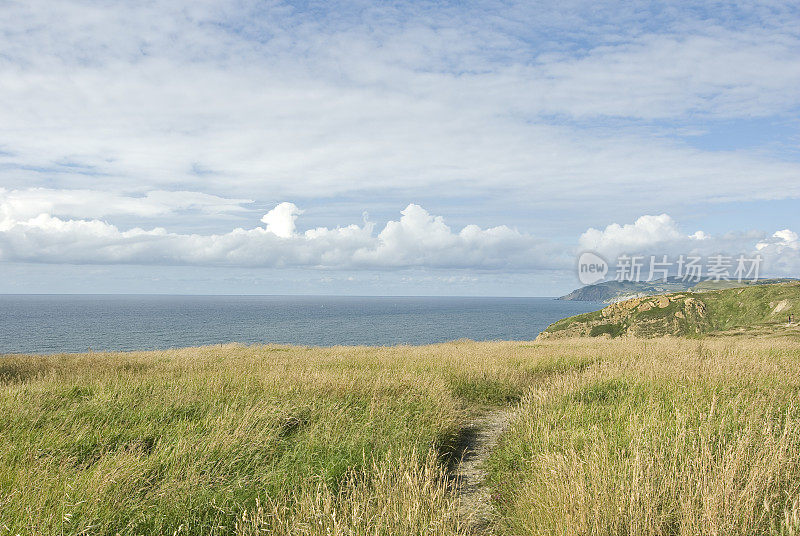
614, 291
610, 291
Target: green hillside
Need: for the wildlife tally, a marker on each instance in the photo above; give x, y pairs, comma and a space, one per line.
754, 308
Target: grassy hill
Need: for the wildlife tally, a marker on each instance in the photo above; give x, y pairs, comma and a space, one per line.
752, 308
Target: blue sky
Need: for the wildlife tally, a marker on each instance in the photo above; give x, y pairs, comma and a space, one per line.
389, 148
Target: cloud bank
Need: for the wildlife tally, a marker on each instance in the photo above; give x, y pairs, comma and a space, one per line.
63, 227
417, 239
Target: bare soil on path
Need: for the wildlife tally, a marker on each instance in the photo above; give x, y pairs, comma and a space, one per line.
478, 438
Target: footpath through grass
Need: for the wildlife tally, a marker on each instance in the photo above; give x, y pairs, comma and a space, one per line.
241, 440
623, 436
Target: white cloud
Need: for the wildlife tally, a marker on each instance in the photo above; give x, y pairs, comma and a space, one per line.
419, 238
782, 251
645, 232
416, 240
788, 238
699, 235
719, 72
660, 235
280, 220
16, 205
277, 103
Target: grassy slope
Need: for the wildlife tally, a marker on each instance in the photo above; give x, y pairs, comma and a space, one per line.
754, 306
613, 437
704, 286
583, 318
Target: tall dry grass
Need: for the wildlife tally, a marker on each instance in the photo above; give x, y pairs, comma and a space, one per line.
659, 437
398, 495
662, 436
237, 440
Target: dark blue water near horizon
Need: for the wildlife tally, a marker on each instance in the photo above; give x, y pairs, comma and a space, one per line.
77, 323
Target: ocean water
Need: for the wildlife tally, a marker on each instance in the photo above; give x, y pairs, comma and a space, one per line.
70, 323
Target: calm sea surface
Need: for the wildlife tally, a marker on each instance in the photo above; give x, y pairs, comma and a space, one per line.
51, 324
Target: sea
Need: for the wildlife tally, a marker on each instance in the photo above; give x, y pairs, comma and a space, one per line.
78, 323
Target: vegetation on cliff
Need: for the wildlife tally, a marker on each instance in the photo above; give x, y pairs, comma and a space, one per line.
751, 308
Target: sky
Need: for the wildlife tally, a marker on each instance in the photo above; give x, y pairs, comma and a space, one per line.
390, 148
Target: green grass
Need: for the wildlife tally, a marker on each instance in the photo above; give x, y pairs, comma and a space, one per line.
612, 436
484, 390
548, 363
581, 318
754, 305
191, 440
613, 330
146, 444
664, 437
689, 314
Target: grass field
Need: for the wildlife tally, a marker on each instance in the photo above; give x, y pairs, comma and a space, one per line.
622, 436
662, 436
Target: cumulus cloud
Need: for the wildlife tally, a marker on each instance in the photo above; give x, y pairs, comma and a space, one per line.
417, 239
656, 236
647, 231
420, 238
280, 220
785, 239
699, 235
783, 251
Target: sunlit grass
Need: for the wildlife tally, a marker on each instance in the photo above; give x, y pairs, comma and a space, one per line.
666, 436
660, 436
234, 439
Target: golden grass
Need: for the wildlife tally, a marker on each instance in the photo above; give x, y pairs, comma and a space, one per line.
237, 440
662, 436
665, 436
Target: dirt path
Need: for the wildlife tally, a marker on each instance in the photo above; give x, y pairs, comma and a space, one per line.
478, 438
